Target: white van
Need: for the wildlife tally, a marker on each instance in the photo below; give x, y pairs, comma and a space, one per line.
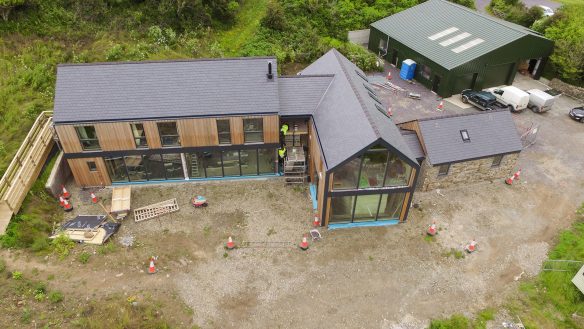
540, 101
512, 97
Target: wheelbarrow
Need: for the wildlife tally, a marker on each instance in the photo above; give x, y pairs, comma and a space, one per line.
199, 201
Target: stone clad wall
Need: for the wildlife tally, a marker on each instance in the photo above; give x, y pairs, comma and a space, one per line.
467, 172
570, 90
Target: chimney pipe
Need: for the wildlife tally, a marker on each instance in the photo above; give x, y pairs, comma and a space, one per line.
270, 75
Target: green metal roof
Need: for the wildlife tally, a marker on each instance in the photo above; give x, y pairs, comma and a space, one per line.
449, 34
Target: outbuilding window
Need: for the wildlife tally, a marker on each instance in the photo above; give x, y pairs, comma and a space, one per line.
425, 72
168, 133
253, 130
497, 160
443, 169
91, 165
88, 138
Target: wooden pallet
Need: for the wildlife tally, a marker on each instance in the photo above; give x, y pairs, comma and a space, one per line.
155, 210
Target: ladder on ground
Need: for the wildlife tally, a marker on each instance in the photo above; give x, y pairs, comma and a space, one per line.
25, 167
295, 166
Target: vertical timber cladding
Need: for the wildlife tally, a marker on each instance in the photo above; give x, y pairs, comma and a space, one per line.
152, 136
271, 129
236, 127
198, 132
68, 138
317, 170
84, 176
115, 136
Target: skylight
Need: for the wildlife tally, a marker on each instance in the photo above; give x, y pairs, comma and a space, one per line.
372, 95
382, 110
443, 33
465, 136
454, 39
362, 75
468, 45
368, 87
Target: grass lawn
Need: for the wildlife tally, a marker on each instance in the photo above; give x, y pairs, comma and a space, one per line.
246, 24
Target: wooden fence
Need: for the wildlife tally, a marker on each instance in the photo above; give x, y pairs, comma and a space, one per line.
25, 167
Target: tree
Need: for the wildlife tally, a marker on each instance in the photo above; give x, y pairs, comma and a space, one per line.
6, 7
274, 18
466, 3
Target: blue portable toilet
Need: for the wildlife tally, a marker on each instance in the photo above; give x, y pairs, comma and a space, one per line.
407, 70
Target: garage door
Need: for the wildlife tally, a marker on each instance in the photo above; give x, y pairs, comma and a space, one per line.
497, 75
463, 82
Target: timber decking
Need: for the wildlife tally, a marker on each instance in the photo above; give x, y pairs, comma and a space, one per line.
155, 210
25, 167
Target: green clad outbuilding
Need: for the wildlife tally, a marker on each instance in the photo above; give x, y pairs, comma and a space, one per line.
457, 48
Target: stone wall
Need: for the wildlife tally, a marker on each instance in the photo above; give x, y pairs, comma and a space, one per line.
576, 92
467, 172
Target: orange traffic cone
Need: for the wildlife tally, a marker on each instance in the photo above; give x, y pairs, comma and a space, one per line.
67, 205
230, 243
432, 229
152, 268
517, 174
509, 181
66, 194
388, 75
389, 111
471, 247
93, 197
304, 244
440, 106
61, 201
316, 221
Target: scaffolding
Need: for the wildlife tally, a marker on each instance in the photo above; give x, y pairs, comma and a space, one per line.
295, 166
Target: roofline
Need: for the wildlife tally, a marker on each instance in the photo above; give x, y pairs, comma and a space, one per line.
307, 76
455, 115
178, 60
165, 118
475, 158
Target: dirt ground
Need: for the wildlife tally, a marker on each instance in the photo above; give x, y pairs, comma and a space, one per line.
383, 277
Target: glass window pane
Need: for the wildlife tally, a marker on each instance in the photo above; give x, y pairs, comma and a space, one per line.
249, 162
373, 169
154, 167
231, 163
391, 206
173, 166
223, 131
168, 133
136, 168
116, 169
253, 130
267, 161
87, 138
139, 135
398, 172
195, 164
341, 209
366, 208
345, 177
212, 163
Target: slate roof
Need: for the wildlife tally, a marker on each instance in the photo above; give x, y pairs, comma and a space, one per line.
415, 26
413, 143
301, 94
491, 133
165, 89
347, 120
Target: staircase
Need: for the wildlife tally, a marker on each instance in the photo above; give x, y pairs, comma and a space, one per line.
194, 165
295, 167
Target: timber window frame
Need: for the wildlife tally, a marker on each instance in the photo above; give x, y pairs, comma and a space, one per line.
139, 135
168, 131
224, 131
88, 138
92, 166
253, 130
444, 169
497, 159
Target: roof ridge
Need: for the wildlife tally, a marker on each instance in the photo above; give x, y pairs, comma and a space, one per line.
178, 60
357, 94
459, 115
307, 76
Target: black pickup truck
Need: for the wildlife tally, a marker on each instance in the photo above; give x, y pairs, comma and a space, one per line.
484, 100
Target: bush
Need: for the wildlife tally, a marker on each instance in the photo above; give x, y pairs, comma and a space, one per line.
63, 245
16, 275
84, 257
274, 18
55, 297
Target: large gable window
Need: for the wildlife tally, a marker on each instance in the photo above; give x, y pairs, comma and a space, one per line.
88, 138
253, 130
168, 133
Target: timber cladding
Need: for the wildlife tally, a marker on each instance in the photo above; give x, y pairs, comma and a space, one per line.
152, 136
84, 176
271, 129
198, 132
69, 139
115, 136
236, 127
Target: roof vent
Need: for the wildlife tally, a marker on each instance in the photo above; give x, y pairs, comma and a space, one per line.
465, 136
270, 75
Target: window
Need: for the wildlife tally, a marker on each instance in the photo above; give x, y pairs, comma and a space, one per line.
231, 163
212, 164
88, 138
136, 168
341, 209
253, 130
154, 167
465, 136
425, 72
267, 161
373, 168
497, 160
168, 134
139, 135
366, 208
223, 131
398, 172
116, 169
173, 166
249, 162
347, 175
443, 170
92, 166
382, 44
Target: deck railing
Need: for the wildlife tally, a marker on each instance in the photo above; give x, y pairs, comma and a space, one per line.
25, 167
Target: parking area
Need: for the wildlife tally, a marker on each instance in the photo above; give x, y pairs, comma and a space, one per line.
383, 277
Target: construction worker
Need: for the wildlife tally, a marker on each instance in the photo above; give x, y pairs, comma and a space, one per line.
282, 153
284, 129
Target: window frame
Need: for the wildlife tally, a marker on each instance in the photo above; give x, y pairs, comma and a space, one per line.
177, 135
92, 166
441, 173
224, 133
496, 163
91, 140
260, 131
140, 141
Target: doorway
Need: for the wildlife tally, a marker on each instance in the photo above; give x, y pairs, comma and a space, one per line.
394, 58
436, 84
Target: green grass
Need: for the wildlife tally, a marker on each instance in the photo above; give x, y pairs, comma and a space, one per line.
246, 24
458, 321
